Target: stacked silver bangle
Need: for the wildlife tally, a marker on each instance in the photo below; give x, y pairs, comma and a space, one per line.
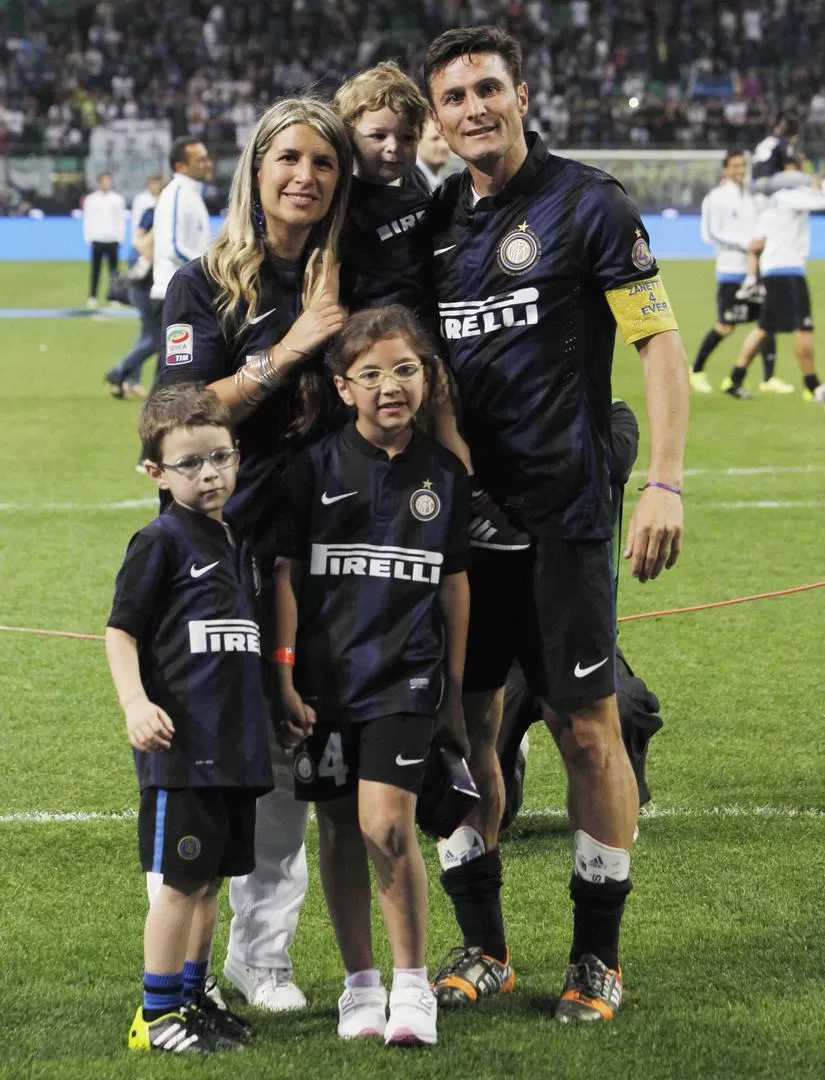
261, 372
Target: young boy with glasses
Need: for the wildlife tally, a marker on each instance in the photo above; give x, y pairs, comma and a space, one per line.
183, 644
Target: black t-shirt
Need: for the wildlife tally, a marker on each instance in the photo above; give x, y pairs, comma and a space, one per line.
526, 281
189, 597
387, 255
195, 347
376, 536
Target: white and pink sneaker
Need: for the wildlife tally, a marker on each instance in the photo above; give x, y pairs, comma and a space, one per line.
362, 1011
412, 1021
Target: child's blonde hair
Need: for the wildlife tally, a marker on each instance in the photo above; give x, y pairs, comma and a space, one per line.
384, 86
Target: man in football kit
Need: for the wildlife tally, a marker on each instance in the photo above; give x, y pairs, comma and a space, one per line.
729, 224
536, 260
768, 161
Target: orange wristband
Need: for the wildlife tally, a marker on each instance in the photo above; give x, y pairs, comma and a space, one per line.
284, 656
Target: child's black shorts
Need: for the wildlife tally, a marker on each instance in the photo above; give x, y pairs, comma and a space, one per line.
192, 835
390, 750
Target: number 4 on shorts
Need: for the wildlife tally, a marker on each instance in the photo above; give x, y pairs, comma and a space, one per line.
332, 760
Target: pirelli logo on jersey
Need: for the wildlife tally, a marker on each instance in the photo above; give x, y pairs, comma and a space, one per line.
400, 226
374, 560
224, 635
471, 318
641, 309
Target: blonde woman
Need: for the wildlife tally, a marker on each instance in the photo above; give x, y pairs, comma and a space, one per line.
250, 319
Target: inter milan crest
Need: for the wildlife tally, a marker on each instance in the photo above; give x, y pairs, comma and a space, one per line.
189, 848
424, 503
641, 255
519, 250
304, 768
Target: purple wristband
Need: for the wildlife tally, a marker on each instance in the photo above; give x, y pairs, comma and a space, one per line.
659, 484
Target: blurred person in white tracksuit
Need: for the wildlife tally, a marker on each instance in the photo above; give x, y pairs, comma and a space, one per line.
784, 225
181, 224
104, 229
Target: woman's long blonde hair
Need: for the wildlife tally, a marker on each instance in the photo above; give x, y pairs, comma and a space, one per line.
235, 258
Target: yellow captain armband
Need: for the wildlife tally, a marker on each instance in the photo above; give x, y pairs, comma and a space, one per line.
641, 308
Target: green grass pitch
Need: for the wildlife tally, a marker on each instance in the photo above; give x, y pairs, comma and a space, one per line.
723, 946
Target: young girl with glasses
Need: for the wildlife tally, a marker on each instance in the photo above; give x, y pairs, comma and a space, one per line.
372, 606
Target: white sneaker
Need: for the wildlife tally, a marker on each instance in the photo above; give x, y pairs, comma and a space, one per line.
91, 302
412, 1019
268, 988
362, 1011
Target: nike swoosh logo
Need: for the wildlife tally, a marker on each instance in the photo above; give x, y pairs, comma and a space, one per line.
328, 500
199, 571
407, 761
580, 671
442, 250
260, 318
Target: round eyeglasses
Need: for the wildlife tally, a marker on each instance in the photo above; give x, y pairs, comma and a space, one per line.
372, 378
191, 465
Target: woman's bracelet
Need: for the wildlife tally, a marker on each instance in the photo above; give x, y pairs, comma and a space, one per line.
665, 487
298, 352
260, 370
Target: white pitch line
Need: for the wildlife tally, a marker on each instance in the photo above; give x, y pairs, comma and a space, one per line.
651, 811
750, 470
45, 817
762, 504
122, 504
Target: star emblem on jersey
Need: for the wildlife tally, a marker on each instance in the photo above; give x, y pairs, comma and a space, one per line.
641, 255
424, 503
519, 250
199, 571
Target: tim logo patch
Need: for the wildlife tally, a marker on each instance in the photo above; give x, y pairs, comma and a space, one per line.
178, 344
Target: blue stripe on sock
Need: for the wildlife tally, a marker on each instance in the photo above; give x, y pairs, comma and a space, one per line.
162, 993
194, 975
160, 825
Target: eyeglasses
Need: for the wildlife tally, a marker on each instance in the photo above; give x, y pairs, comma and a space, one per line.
372, 378
190, 466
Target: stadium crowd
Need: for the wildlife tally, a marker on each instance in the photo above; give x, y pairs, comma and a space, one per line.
602, 73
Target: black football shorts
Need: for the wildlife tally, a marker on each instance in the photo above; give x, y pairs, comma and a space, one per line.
552, 608
390, 750
193, 835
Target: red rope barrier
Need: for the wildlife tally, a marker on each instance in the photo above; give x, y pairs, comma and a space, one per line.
721, 603
50, 633
622, 618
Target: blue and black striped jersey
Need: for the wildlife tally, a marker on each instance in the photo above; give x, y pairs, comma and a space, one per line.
387, 255
530, 283
376, 536
189, 597
195, 347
